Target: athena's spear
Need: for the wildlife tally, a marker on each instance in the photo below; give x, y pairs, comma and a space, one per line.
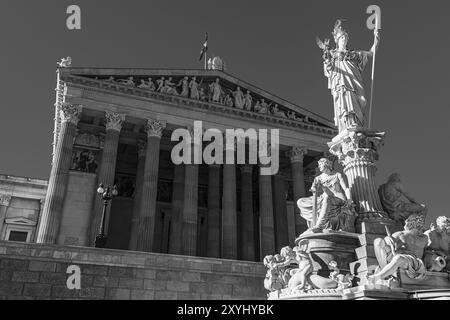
377, 15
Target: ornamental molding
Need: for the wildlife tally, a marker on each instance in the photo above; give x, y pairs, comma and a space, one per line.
70, 113
89, 140
89, 85
297, 153
114, 120
155, 128
5, 200
358, 148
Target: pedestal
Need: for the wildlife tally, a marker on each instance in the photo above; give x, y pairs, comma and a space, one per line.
357, 151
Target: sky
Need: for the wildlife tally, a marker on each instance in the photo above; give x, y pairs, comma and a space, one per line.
270, 44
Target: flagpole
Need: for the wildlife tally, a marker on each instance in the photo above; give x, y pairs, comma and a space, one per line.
205, 60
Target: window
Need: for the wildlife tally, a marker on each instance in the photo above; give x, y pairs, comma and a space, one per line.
20, 236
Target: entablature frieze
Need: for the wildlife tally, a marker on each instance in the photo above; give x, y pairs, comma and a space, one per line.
88, 86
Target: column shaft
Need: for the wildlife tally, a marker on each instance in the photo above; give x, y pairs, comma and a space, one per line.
52, 213
190, 211
298, 184
279, 191
177, 210
107, 170
248, 241
267, 235
5, 200
229, 214
147, 209
138, 195
213, 248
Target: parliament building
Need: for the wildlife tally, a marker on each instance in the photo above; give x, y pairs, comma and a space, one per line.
114, 126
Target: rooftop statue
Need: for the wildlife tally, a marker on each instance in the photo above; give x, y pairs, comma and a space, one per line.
65, 62
248, 101
184, 83
128, 82
239, 98
344, 69
147, 84
216, 91
277, 112
169, 87
160, 83
330, 207
403, 250
437, 254
393, 194
193, 85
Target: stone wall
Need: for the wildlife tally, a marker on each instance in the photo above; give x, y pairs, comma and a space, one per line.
80, 192
36, 271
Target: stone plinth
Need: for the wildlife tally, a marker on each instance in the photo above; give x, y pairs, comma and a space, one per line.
357, 151
327, 247
36, 271
370, 229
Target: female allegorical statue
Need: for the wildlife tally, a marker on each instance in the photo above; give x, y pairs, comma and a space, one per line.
331, 206
344, 68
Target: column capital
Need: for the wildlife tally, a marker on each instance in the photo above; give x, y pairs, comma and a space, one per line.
155, 128
70, 113
114, 120
297, 153
195, 135
142, 148
5, 200
357, 146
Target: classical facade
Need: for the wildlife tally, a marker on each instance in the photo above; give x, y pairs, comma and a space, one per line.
21, 203
114, 126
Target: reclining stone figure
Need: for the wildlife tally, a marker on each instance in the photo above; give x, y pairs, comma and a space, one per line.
392, 195
437, 254
403, 250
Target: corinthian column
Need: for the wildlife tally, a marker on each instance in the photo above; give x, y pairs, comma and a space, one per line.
213, 247
147, 209
248, 242
107, 170
177, 209
5, 200
357, 151
281, 221
190, 210
142, 148
229, 214
51, 215
267, 235
298, 182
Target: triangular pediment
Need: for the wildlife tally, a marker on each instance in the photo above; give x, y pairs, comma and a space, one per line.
20, 221
135, 80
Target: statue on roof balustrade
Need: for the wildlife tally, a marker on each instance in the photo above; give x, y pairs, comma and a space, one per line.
193, 85
216, 91
248, 101
184, 84
239, 98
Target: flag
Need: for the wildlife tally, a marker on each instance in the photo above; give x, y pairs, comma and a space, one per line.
204, 48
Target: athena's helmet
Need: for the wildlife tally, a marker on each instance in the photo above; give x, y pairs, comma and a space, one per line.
339, 30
